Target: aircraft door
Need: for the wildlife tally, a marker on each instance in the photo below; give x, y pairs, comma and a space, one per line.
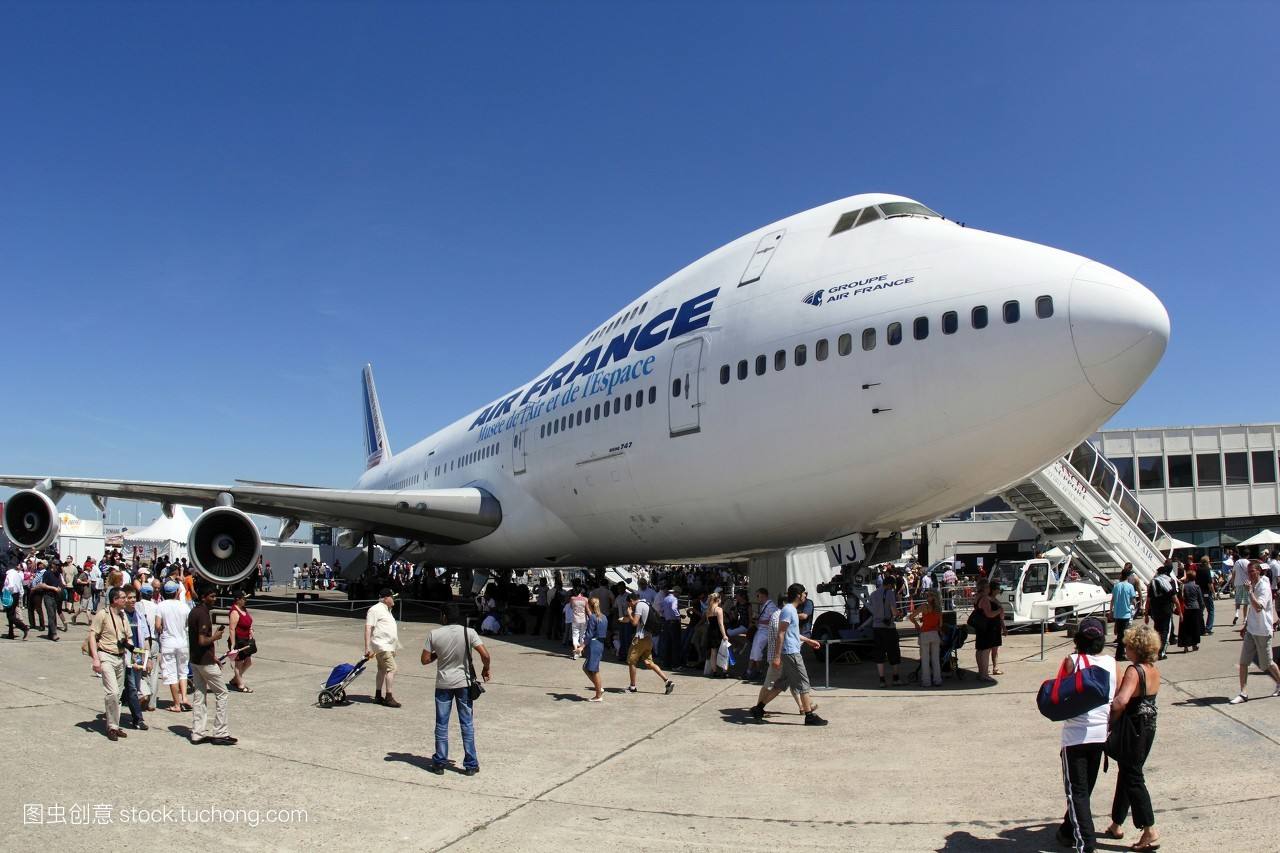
685, 388
518, 451
760, 258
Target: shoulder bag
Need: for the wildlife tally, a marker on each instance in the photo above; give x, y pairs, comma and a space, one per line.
474, 688
1124, 741
1064, 697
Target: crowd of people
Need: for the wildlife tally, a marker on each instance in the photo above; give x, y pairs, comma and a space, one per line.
152, 625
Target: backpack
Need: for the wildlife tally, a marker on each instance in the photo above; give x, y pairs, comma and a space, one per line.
653, 620
1161, 590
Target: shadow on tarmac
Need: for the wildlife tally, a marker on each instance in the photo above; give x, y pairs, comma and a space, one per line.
1014, 840
422, 762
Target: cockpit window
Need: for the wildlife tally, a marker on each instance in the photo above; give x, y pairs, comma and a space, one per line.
906, 208
888, 210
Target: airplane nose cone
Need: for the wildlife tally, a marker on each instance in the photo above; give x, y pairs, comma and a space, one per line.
1120, 330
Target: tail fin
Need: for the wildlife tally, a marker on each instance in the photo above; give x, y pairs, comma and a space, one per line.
377, 448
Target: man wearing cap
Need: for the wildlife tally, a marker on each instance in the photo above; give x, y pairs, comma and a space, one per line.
382, 640
146, 610
175, 656
206, 672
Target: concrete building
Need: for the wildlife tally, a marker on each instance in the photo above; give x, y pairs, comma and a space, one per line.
1212, 486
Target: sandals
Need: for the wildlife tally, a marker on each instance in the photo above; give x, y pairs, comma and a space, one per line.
1118, 834
997, 672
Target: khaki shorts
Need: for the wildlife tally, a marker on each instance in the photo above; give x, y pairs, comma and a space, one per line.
641, 650
774, 679
386, 661
1255, 645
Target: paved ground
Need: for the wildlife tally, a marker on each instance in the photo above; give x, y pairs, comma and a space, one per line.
962, 768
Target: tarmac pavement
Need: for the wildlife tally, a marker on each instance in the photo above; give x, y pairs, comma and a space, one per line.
965, 767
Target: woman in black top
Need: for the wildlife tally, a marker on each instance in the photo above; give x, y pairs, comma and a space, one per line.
1135, 704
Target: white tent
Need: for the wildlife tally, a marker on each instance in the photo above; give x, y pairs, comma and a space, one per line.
1167, 542
1266, 537
164, 537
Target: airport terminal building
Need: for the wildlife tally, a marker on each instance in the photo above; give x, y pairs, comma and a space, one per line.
1213, 486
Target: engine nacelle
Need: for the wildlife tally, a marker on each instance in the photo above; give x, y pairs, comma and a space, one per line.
224, 545
31, 519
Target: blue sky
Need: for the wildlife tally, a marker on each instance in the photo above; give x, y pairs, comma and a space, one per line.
212, 215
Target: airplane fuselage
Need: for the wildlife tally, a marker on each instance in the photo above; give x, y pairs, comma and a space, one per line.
794, 386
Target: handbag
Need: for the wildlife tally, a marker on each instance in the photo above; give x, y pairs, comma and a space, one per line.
1063, 697
1124, 741
474, 688
248, 648
977, 619
6, 599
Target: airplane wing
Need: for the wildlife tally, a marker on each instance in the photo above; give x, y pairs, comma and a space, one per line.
430, 516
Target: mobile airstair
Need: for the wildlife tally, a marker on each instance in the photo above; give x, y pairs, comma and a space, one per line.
1080, 504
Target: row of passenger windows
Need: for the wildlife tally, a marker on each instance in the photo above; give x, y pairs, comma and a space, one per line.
587, 414
893, 335
618, 321
468, 458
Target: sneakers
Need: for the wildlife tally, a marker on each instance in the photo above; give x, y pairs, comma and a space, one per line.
1241, 698
437, 769
471, 771
224, 741
757, 712
1276, 693
671, 685
633, 689
812, 719
596, 699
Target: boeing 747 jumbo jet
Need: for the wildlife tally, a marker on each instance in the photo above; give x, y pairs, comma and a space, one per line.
844, 373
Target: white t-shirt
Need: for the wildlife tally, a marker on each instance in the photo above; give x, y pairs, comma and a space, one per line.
1240, 573
384, 637
173, 624
1260, 623
642, 613
1091, 727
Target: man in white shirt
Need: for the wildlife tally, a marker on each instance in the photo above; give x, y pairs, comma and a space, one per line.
175, 649
381, 640
13, 586
760, 639
95, 585
1240, 581
1259, 624
641, 651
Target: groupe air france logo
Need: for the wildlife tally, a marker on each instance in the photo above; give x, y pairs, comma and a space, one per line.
814, 298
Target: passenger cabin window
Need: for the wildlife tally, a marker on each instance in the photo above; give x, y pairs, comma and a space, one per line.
893, 334
868, 339
617, 405
950, 323
780, 360
627, 402
920, 328
1011, 311
761, 364
801, 355
979, 317
639, 398
844, 345
1044, 307
820, 350
742, 369
724, 375
653, 395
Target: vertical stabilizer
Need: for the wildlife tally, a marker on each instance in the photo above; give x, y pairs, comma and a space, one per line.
377, 448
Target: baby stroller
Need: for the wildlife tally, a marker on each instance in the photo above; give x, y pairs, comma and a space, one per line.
953, 638
334, 691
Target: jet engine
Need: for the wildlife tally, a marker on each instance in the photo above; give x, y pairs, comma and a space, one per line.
224, 545
31, 519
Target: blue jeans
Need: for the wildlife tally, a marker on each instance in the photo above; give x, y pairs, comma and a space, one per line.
444, 707
1208, 606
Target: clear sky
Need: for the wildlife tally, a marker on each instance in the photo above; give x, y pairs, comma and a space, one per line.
212, 215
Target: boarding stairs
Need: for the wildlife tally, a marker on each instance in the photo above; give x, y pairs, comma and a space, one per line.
1079, 503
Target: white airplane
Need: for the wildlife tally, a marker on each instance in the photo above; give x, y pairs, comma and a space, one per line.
840, 375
